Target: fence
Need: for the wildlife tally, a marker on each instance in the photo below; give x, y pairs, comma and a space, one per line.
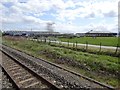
85, 47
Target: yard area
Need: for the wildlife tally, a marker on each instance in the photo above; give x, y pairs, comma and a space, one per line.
103, 68
105, 41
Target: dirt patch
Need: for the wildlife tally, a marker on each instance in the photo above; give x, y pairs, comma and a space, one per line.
14, 38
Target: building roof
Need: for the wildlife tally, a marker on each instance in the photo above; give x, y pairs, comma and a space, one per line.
94, 31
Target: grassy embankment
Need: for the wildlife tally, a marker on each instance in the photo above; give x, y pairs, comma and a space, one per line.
100, 67
105, 41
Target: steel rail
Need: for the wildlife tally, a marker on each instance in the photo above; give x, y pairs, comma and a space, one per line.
77, 74
53, 87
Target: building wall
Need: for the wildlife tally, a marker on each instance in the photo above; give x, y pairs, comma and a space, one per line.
101, 34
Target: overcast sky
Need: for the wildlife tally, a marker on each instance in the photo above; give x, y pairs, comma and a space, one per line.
69, 16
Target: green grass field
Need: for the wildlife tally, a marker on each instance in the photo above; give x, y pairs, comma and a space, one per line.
92, 61
105, 41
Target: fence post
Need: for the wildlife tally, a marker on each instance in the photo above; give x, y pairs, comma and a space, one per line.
116, 48
56, 42
73, 44
100, 47
68, 43
45, 40
86, 45
76, 44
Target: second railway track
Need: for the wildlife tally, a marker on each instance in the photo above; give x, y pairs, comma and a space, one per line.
59, 77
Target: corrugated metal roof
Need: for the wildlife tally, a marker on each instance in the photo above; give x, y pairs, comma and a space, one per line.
93, 31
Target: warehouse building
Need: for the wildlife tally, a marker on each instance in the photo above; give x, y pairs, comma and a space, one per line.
100, 34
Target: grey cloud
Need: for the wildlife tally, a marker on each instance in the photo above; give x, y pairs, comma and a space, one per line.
91, 15
110, 14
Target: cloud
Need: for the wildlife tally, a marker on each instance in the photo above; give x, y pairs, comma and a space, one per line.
72, 28
68, 28
88, 10
67, 14
110, 14
30, 13
91, 15
16, 14
103, 27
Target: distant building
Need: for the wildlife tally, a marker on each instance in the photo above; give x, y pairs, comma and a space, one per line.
100, 33
80, 34
30, 33
67, 35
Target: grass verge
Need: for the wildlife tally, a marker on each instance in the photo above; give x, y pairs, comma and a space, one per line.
105, 41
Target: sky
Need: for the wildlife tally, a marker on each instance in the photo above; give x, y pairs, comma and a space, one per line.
68, 16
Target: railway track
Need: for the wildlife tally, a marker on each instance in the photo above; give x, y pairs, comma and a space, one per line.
23, 77
7, 82
58, 76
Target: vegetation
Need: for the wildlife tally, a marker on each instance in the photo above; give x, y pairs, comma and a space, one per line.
87, 48
84, 48
105, 41
100, 67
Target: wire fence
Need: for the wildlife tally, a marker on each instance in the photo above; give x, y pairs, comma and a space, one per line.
85, 47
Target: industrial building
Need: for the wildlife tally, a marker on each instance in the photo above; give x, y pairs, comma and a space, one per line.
91, 33
30, 33
100, 33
